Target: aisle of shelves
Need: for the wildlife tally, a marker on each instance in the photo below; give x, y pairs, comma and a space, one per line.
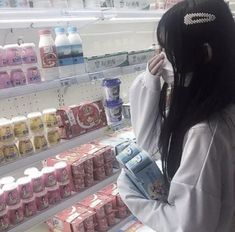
68, 91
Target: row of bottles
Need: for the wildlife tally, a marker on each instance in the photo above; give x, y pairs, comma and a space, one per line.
62, 57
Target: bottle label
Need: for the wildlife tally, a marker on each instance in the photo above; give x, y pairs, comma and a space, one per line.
64, 55
77, 54
48, 56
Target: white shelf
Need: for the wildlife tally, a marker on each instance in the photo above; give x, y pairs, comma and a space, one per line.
35, 18
121, 224
45, 215
66, 82
63, 146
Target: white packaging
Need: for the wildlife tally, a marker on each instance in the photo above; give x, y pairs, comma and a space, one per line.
64, 53
99, 63
48, 56
77, 51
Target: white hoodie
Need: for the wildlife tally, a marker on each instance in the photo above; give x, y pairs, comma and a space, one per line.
202, 193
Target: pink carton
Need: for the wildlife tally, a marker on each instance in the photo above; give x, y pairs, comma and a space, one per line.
28, 54
33, 75
11, 194
25, 188
5, 80
17, 77
65, 190
13, 54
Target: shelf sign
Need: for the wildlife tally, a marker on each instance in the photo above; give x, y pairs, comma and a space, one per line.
66, 82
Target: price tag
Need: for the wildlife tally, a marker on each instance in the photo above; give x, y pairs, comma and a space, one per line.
66, 82
96, 76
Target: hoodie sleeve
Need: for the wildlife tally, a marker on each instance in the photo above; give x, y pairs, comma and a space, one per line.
144, 101
194, 195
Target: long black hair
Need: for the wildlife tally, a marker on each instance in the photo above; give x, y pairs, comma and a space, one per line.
203, 53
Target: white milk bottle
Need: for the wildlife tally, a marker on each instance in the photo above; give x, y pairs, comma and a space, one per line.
77, 52
48, 55
63, 49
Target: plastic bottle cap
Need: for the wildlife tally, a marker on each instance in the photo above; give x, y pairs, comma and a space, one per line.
23, 180
61, 164
30, 171
71, 29
34, 115
35, 175
49, 111
9, 186
19, 119
44, 32
59, 30
7, 180
48, 170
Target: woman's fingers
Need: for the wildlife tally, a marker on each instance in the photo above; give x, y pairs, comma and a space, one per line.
153, 63
156, 68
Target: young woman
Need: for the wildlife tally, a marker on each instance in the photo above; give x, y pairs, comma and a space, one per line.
195, 135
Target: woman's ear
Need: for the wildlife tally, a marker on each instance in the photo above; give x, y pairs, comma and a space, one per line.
207, 52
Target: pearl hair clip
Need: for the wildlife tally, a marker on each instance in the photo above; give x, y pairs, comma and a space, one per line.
197, 18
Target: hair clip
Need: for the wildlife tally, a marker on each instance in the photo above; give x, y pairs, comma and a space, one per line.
197, 18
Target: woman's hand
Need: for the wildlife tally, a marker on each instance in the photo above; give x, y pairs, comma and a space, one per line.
156, 63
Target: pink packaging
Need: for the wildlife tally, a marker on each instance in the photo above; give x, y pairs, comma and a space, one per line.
29, 207
29, 55
65, 190
37, 182
13, 54
25, 188
17, 77
61, 172
79, 184
4, 220
121, 212
11, 194
78, 169
89, 179
119, 201
41, 200
102, 225
3, 58
2, 201
33, 75
99, 173
5, 80
77, 225
49, 176
16, 214
53, 195
108, 169
111, 219
88, 218
96, 203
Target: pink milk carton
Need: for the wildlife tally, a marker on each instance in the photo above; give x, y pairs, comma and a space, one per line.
5, 80
33, 75
28, 54
13, 54
17, 77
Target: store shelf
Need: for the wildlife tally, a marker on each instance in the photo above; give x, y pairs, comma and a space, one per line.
35, 18
65, 82
121, 224
45, 215
63, 146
